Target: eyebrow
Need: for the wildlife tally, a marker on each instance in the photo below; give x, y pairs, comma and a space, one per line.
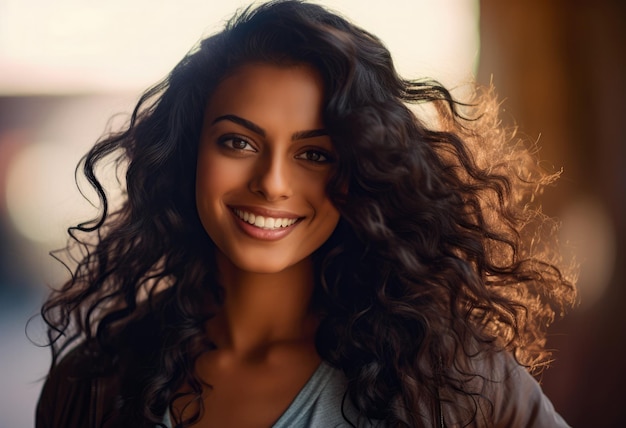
300, 135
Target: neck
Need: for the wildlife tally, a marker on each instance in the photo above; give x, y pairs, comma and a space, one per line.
264, 309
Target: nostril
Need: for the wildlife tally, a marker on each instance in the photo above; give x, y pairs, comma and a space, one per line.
272, 181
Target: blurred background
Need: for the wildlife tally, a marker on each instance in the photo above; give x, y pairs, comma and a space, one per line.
67, 67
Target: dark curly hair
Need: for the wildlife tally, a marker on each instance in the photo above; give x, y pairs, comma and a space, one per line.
439, 255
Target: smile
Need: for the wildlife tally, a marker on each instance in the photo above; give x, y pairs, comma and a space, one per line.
262, 222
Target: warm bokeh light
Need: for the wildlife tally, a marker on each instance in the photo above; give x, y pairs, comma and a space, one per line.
70, 46
42, 198
589, 236
33, 190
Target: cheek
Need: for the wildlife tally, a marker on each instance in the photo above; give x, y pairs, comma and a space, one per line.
210, 185
316, 193
215, 177
331, 219
326, 214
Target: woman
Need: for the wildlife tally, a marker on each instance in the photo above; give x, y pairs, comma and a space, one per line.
296, 248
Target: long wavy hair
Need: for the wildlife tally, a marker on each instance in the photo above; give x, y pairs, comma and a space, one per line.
440, 253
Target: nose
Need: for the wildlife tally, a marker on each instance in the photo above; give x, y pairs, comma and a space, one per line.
272, 178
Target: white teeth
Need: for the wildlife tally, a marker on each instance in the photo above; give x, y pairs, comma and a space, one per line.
265, 222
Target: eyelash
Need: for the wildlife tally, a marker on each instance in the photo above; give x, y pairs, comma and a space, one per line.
325, 157
228, 140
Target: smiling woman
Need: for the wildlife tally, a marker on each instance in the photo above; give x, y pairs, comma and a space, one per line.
264, 158
297, 248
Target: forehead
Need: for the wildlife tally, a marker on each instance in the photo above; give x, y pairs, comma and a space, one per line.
252, 89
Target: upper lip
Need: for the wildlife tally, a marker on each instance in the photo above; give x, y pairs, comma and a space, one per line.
265, 212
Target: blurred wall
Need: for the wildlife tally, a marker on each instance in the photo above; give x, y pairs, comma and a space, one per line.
561, 67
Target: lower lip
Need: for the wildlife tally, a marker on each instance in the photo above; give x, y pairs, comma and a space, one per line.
264, 234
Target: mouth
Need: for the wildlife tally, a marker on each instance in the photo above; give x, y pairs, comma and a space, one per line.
265, 222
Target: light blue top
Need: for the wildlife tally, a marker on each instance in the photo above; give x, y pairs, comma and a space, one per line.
512, 399
318, 404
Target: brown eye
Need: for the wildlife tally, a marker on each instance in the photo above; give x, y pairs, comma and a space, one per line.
236, 143
314, 156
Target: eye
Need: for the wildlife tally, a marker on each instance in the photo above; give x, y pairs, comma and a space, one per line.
234, 142
316, 156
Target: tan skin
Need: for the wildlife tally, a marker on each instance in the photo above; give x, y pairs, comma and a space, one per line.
275, 164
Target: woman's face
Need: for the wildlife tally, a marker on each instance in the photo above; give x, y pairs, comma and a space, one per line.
264, 160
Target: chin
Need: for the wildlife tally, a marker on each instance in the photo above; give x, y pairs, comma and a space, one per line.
260, 265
